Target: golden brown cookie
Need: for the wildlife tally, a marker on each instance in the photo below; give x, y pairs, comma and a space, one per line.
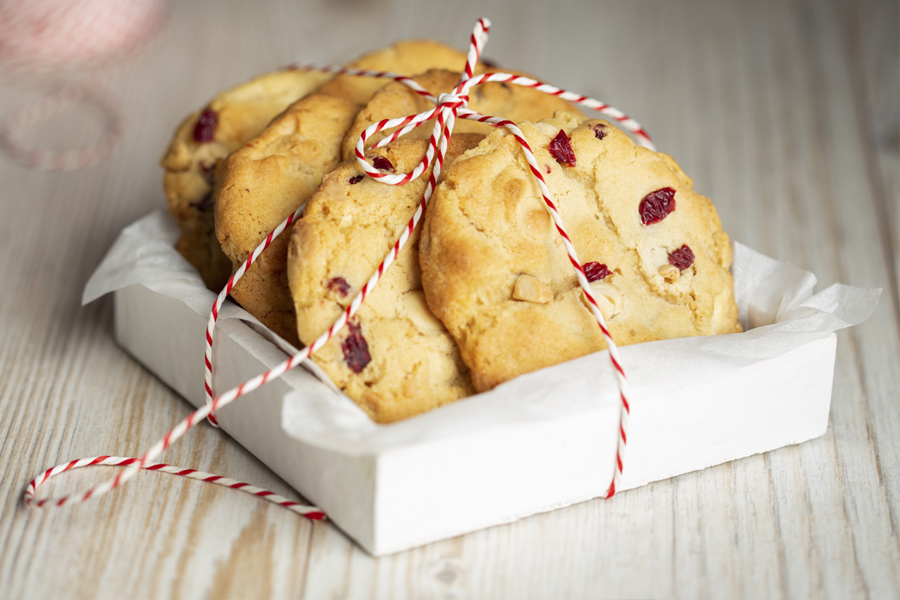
394, 358
512, 102
274, 174
409, 57
206, 137
263, 183
497, 275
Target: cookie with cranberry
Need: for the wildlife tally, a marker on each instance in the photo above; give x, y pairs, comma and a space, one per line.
275, 173
209, 135
496, 273
513, 102
394, 358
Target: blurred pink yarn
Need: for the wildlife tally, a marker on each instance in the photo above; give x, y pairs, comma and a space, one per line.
69, 42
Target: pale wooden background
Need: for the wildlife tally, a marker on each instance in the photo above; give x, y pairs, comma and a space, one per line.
784, 112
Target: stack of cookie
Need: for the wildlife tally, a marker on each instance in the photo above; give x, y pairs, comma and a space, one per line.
484, 292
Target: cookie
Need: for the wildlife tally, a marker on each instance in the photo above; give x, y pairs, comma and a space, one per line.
394, 358
495, 271
513, 102
265, 181
272, 175
206, 137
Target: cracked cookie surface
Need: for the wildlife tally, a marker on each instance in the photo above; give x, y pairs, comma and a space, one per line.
496, 273
394, 358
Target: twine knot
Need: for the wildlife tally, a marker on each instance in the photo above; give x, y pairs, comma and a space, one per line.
452, 101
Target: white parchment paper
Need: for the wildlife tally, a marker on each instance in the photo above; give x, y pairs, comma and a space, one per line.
778, 309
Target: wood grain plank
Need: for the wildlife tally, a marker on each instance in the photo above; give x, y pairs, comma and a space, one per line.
875, 35
873, 39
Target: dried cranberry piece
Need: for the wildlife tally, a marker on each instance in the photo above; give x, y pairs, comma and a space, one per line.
600, 131
339, 285
382, 164
205, 204
657, 205
595, 271
205, 129
356, 179
356, 349
681, 258
561, 149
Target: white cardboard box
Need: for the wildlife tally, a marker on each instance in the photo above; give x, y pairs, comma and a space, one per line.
542, 441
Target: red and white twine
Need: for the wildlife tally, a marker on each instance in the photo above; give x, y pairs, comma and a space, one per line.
448, 107
118, 461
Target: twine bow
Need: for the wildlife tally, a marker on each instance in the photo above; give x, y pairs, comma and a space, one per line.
448, 107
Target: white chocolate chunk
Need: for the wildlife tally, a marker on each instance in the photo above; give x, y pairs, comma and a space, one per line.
669, 272
547, 129
534, 219
609, 298
529, 289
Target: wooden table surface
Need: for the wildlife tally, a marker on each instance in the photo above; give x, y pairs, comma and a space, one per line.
785, 113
